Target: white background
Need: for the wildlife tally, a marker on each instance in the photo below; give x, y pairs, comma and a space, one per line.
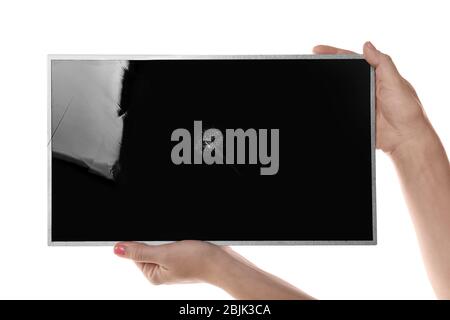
414, 33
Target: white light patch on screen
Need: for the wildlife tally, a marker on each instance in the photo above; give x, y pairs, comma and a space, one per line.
85, 124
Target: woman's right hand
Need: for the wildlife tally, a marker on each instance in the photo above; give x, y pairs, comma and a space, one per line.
400, 117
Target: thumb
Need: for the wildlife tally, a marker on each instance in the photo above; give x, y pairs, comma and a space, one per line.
380, 61
138, 252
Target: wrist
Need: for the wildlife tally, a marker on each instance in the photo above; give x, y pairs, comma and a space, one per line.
417, 145
214, 265
223, 268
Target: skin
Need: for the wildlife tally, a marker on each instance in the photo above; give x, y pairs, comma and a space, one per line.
404, 132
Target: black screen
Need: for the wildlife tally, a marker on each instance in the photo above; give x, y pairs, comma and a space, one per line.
321, 190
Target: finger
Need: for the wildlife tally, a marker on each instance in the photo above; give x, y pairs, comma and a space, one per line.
138, 252
324, 49
380, 60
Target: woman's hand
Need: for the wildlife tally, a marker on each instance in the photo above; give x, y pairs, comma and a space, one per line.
197, 261
177, 262
399, 114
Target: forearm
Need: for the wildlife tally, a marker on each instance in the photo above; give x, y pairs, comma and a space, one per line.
243, 280
424, 171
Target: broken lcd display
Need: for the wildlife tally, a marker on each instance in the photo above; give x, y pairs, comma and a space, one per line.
236, 149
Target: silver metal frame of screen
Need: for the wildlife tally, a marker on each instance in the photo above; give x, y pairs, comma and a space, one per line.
210, 57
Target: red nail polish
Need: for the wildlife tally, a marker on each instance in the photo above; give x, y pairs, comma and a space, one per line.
370, 44
119, 250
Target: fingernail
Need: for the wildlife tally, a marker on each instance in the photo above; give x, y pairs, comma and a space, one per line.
370, 45
119, 249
